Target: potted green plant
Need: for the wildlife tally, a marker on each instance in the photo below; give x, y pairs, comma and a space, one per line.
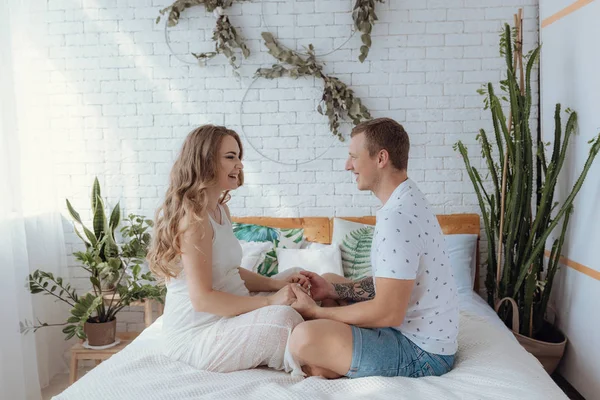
518, 206
115, 273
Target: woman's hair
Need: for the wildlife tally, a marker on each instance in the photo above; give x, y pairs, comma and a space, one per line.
194, 172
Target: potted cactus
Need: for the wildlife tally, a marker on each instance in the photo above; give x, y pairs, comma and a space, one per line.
518, 205
115, 273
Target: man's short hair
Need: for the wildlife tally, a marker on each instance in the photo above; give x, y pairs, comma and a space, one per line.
385, 133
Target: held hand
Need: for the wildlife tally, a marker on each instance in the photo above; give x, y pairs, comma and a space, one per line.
303, 303
284, 297
301, 280
320, 289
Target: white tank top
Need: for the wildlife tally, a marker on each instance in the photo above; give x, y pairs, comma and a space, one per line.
179, 314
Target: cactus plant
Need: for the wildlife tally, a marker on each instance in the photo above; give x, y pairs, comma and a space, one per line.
525, 203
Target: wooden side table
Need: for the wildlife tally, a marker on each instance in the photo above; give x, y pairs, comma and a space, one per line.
78, 352
147, 304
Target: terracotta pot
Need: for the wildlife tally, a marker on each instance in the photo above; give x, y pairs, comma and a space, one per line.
100, 333
548, 354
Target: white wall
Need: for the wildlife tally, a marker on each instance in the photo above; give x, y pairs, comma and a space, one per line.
569, 67
119, 105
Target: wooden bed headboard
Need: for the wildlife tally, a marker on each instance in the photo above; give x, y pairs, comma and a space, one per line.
320, 229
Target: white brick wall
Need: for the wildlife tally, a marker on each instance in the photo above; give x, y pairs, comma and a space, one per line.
119, 105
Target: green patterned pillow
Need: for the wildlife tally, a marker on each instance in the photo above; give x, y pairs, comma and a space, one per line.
280, 237
355, 241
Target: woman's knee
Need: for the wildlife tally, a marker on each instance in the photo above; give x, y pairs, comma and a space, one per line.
284, 315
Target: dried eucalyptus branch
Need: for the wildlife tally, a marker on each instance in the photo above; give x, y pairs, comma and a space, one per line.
338, 98
179, 6
364, 18
225, 35
226, 39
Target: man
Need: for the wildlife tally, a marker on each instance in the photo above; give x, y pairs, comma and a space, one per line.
403, 321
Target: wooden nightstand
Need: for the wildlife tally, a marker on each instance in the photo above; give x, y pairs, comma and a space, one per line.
147, 304
78, 352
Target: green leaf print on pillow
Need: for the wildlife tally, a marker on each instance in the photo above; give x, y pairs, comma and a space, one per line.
269, 266
286, 238
356, 253
291, 238
255, 233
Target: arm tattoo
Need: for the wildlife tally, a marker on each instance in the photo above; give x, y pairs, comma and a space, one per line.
356, 291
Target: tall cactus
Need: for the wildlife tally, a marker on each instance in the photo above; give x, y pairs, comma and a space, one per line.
528, 222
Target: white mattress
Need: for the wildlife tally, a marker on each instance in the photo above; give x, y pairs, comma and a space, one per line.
490, 364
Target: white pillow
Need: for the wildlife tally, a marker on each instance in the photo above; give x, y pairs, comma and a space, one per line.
253, 254
354, 240
462, 251
315, 245
318, 260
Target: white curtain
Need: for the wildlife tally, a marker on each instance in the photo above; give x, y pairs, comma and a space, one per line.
31, 235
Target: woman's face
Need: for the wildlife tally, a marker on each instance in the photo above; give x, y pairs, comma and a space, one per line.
229, 163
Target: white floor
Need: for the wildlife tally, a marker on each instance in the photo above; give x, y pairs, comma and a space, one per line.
59, 383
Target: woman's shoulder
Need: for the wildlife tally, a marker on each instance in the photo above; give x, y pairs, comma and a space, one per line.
227, 212
191, 224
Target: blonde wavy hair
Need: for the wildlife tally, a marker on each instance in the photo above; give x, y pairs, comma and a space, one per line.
194, 172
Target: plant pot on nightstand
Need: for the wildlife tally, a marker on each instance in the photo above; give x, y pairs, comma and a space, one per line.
100, 333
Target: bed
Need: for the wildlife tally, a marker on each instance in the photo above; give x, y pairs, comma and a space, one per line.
490, 364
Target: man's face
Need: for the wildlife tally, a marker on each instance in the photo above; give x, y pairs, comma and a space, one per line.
361, 164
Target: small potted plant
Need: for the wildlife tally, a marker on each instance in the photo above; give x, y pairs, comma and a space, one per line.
115, 273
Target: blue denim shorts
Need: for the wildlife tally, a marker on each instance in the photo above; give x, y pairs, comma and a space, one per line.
387, 352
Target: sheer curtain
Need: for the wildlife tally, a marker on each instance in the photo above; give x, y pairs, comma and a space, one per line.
31, 235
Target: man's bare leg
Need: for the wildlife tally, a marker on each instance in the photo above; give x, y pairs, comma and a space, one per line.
323, 347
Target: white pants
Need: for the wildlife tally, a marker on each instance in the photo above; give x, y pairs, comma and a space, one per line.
259, 337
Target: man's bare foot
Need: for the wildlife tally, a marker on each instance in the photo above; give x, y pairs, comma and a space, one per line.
318, 371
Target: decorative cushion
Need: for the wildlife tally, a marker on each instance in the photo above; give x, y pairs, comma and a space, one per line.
279, 237
319, 260
462, 250
254, 253
354, 240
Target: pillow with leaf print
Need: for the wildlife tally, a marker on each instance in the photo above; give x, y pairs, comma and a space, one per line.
280, 237
354, 240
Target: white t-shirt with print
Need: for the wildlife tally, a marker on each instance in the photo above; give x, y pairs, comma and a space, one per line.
408, 243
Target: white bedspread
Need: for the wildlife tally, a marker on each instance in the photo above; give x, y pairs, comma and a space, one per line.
490, 364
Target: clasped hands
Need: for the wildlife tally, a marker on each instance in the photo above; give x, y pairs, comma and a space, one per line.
302, 292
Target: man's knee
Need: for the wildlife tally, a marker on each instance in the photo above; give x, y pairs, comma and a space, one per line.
301, 339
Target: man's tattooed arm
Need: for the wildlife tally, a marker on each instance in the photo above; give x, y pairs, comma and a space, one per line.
356, 291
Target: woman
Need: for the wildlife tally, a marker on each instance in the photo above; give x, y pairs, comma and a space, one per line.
210, 320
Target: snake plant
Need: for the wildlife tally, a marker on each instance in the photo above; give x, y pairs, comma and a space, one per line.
530, 211
114, 269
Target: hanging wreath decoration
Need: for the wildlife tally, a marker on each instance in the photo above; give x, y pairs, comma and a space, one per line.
225, 35
227, 39
364, 18
338, 99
